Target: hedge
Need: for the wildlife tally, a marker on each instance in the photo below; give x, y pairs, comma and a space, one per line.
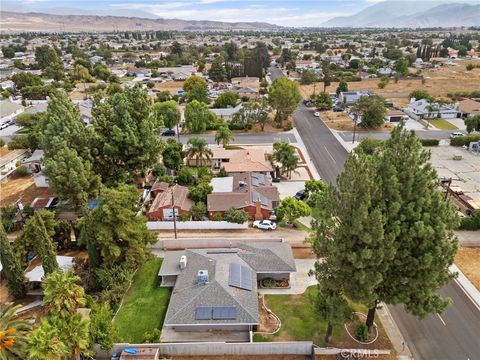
471, 222
464, 140
429, 142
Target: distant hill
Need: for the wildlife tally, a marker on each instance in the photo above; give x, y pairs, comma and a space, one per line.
14, 22
413, 14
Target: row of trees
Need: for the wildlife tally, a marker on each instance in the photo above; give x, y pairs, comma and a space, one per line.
378, 235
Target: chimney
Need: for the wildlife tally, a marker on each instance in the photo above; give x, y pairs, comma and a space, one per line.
183, 262
258, 210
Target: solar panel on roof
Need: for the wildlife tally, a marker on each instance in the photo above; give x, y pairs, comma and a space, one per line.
224, 313
240, 276
203, 313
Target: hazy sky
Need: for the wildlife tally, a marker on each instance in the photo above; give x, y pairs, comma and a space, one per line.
281, 12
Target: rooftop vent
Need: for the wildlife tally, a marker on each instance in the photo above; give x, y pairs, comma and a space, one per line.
183, 262
202, 277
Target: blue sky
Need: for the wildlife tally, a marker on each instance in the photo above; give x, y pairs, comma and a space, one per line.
281, 12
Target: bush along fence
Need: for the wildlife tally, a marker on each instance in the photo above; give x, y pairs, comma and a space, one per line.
464, 140
430, 142
195, 225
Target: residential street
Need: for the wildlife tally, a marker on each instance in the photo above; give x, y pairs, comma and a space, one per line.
451, 336
244, 139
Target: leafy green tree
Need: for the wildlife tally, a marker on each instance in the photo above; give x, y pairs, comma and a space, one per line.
74, 332
369, 145
308, 77
80, 73
421, 223
45, 56
25, 79
327, 75
8, 52
401, 66
169, 113
200, 192
71, 177
62, 295
173, 155
13, 332
284, 97
199, 210
102, 331
45, 246
420, 94
223, 135
198, 93
323, 101
12, 268
45, 343
473, 123
290, 209
372, 110
237, 216
63, 126
125, 139
314, 189
217, 72
285, 155
185, 177
192, 81
342, 87
197, 148
101, 71
113, 231
198, 116
257, 111
226, 99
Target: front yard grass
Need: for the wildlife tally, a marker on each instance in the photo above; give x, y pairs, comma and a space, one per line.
443, 124
144, 306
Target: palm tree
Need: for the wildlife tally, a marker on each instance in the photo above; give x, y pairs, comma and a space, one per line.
224, 136
284, 154
45, 344
198, 149
431, 107
62, 295
13, 333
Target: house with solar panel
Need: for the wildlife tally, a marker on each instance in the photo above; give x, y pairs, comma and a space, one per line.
215, 290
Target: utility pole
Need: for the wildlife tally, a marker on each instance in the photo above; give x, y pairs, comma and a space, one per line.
449, 182
354, 127
178, 129
174, 217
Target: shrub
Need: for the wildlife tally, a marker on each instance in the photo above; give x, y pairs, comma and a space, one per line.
22, 170
184, 217
268, 283
222, 172
217, 217
198, 210
159, 170
236, 216
464, 140
18, 142
152, 336
471, 222
2, 143
429, 142
361, 332
185, 177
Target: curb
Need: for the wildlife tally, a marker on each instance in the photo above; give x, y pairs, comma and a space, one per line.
392, 330
467, 287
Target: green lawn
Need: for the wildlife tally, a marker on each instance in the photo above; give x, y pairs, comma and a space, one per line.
299, 322
144, 306
443, 124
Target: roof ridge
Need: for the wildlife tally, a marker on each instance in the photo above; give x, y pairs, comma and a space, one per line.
236, 301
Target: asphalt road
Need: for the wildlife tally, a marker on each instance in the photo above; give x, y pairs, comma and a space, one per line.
261, 138
383, 135
454, 335
327, 154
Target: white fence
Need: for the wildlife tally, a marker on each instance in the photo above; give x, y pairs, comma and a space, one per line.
195, 225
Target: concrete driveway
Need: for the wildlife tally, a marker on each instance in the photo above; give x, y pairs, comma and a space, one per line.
299, 280
289, 188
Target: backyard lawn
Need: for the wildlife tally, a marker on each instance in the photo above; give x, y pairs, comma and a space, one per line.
144, 306
443, 124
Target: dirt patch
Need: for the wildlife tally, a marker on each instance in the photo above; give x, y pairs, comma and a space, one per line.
244, 357
268, 322
23, 189
341, 121
468, 261
438, 82
171, 86
303, 253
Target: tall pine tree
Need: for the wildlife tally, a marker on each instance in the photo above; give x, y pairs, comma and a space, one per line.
12, 269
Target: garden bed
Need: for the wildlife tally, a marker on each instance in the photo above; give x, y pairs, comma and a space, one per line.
269, 283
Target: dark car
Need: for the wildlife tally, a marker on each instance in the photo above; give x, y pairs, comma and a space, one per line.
300, 195
337, 109
168, 132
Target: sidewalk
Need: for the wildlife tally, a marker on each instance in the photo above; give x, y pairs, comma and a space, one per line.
306, 155
466, 286
393, 333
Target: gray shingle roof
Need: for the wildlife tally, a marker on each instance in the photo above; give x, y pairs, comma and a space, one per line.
268, 256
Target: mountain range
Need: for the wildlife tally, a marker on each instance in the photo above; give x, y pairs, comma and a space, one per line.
386, 14
418, 14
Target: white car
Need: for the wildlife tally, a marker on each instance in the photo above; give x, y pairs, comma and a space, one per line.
455, 134
264, 224
317, 114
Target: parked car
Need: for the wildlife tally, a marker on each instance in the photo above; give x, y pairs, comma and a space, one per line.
337, 109
455, 134
168, 132
276, 179
3, 126
264, 225
300, 195
317, 114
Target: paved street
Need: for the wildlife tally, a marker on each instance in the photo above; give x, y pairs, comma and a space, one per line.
424, 134
261, 138
451, 336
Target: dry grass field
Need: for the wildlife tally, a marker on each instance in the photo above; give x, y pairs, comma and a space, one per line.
438, 82
468, 261
171, 86
341, 121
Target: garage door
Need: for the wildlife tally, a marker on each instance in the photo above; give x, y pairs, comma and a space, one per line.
168, 214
